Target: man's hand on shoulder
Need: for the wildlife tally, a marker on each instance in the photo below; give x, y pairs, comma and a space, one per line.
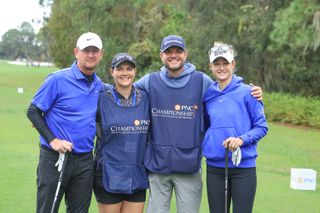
256, 92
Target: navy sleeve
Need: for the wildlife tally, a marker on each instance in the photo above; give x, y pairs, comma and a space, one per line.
207, 82
97, 151
35, 115
206, 119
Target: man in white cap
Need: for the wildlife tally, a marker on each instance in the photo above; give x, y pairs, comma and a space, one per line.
63, 111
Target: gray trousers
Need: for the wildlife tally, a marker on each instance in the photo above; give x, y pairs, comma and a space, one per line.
76, 184
187, 187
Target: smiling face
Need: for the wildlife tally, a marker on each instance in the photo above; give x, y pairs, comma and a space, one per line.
123, 75
222, 70
173, 59
88, 58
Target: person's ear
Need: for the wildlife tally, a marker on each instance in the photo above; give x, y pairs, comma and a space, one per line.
186, 53
160, 54
234, 64
75, 52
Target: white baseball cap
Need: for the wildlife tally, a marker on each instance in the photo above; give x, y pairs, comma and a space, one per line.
221, 51
89, 39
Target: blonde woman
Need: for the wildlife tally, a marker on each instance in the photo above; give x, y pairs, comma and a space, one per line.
235, 121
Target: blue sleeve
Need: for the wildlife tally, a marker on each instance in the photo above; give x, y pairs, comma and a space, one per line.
207, 82
47, 93
259, 127
143, 83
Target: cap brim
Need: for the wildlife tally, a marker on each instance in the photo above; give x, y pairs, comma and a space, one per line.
228, 57
90, 45
182, 48
119, 62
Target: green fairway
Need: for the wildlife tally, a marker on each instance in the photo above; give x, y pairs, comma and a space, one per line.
282, 149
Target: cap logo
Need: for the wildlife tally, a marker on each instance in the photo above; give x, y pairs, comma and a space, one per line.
220, 51
124, 56
172, 41
121, 57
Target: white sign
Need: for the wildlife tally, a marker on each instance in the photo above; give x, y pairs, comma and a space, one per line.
20, 90
303, 179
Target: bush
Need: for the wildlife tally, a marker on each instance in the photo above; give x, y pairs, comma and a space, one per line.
290, 109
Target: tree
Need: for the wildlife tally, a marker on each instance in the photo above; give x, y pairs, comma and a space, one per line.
43, 40
23, 43
266, 33
28, 43
293, 42
122, 24
246, 25
316, 27
19, 43
11, 44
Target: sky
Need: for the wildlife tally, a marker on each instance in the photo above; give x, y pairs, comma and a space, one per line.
14, 12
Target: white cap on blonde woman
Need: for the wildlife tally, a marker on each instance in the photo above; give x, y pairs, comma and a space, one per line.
221, 51
89, 39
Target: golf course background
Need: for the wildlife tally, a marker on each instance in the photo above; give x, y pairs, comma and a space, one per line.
282, 149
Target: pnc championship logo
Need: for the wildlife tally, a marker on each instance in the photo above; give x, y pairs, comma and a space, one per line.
141, 122
186, 108
136, 122
179, 111
137, 127
300, 180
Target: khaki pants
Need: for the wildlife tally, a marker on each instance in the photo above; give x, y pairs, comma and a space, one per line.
188, 192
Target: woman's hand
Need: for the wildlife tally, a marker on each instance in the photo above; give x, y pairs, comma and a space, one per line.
232, 143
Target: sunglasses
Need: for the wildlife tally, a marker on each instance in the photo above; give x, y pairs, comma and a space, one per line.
219, 50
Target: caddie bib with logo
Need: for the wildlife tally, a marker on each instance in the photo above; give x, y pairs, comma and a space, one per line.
176, 126
123, 145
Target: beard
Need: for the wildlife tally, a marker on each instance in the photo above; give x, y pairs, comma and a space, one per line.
176, 68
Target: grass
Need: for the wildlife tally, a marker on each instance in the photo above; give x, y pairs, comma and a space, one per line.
282, 149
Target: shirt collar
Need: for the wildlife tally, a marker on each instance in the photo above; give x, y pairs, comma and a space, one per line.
78, 74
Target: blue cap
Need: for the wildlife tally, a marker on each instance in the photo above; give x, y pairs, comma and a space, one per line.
172, 41
121, 57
